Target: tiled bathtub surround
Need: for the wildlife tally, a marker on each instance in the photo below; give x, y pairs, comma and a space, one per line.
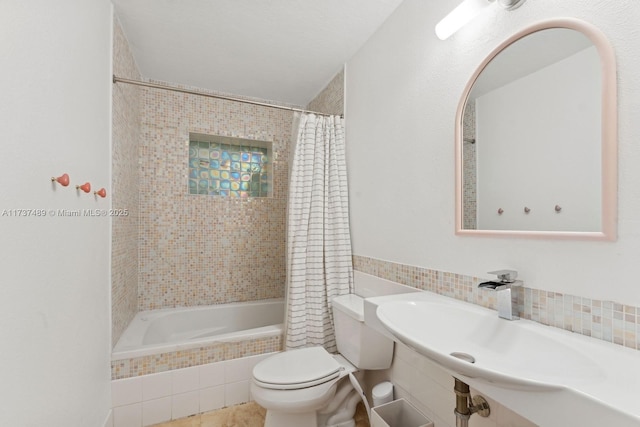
218, 352
605, 320
198, 250
124, 189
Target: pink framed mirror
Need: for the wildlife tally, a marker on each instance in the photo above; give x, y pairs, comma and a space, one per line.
536, 137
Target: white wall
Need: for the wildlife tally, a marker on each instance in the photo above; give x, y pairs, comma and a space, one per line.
402, 91
54, 281
517, 127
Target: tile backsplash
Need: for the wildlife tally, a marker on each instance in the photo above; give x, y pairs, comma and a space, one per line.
606, 320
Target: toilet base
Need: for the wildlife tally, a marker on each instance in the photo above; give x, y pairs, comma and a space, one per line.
306, 419
288, 419
338, 412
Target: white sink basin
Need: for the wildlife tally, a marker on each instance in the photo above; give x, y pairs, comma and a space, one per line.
553, 377
474, 342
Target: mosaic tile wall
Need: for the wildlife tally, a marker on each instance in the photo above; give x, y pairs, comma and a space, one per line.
124, 187
216, 352
331, 99
605, 320
469, 187
198, 250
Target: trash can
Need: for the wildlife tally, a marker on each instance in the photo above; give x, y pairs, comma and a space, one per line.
398, 413
382, 393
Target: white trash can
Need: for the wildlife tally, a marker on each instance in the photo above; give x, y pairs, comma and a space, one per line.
382, 393
398, 413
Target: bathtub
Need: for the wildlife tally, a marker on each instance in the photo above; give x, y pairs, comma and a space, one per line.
163, 331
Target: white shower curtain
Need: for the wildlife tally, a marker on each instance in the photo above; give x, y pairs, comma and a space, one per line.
319, 265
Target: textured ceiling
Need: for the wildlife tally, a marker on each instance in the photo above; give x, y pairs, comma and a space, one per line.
280, 50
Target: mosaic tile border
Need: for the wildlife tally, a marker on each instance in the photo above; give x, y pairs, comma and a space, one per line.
606, 320
217, 352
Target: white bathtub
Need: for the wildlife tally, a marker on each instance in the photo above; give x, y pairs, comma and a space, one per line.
168, 330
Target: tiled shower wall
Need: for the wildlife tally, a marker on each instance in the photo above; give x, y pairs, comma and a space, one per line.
331, 99
124, 187
606, 320
202, 249
176, 249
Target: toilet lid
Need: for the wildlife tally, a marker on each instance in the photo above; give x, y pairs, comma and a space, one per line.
294, 369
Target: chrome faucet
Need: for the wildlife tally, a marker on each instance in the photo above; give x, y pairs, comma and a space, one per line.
507, 292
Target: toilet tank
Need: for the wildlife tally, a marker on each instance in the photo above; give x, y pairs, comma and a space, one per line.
364, 347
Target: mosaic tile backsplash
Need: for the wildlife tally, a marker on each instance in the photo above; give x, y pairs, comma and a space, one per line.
606, 320
231, 170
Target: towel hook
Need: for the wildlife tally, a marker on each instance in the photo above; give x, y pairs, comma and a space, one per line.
62, 180
86, 187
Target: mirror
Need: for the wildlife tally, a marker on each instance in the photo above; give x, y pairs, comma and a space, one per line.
536, 147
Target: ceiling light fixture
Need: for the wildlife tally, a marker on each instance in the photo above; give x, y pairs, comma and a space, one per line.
465, 12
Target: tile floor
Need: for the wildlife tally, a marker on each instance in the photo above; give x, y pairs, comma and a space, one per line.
245, 415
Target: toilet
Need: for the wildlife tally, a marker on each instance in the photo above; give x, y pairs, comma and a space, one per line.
310, 387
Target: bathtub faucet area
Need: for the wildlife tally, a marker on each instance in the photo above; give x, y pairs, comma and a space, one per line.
507, 288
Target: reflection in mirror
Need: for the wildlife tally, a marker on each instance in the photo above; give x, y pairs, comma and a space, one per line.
534, 138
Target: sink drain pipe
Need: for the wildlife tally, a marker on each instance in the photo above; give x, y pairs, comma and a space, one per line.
466, 405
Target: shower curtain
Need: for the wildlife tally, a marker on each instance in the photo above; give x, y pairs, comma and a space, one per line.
319, 265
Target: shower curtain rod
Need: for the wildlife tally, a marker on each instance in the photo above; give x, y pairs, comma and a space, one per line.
117, 79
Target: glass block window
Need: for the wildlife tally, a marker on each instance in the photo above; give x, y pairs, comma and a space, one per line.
229, 167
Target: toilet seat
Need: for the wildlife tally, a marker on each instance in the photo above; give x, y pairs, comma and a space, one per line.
296, 369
